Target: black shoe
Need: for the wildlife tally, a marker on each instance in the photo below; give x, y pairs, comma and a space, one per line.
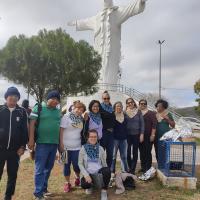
141, 170
7, 198
132, 172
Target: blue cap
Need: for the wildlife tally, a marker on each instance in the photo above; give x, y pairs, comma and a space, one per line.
12, 91
53, 94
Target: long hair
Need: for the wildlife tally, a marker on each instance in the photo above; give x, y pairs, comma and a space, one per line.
92, 103
134, 103
118, 102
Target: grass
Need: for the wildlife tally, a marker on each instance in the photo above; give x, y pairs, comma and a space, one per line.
197, 140
152, 190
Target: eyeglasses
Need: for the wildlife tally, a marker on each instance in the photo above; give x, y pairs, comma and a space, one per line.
93, 137
108, 98
95, 106
130, 102
143, 104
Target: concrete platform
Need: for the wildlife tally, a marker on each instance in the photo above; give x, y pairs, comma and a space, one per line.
181, 182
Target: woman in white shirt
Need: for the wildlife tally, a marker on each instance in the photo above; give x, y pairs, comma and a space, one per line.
70, 141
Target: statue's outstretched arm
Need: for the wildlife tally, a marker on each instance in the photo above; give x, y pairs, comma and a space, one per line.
83, 24
130, 10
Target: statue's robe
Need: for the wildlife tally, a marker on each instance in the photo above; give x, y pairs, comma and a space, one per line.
107, 36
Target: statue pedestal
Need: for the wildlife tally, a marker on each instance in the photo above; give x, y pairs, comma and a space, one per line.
115, 96
181, 182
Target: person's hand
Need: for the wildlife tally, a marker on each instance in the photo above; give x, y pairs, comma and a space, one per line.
88, 179
20, 151
152, 138
31, 145
141, 138
61, 147
166, 117
85, 116
71, 23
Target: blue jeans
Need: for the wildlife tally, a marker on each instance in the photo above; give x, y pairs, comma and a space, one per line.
72, 158
120, 145
45, 155
107, 142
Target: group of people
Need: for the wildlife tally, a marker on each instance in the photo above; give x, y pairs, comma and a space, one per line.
88, 139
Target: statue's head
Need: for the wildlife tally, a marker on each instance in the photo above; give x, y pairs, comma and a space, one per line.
108, 3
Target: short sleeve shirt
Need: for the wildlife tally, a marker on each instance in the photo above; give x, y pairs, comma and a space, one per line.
49, 125
163, 127
71, 134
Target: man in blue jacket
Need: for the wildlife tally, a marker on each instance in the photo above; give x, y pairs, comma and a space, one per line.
13, 137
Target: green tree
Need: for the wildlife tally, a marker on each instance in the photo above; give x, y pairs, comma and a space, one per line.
51, 60
197, 91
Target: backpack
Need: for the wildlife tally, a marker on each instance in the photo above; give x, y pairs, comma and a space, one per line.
38, 120
129, 183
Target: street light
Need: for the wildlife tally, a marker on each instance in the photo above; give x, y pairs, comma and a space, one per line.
160, 43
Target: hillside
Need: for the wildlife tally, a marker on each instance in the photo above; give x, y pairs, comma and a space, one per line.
188, 112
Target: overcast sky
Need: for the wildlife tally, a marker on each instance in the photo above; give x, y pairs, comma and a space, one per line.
175, 21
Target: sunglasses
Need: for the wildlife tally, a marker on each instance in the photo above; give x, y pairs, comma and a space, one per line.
106, 98
143, 104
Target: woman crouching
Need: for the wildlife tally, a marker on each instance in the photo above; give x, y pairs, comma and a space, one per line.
93, 167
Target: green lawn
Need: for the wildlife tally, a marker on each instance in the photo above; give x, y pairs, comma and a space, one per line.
197, 140
144, 190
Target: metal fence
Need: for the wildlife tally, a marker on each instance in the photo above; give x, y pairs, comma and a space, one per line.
135, 94
177, 159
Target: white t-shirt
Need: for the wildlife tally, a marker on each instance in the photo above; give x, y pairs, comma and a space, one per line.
11, 109
71, 134
93, 166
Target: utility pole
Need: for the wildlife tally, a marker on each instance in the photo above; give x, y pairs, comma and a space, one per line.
160, 67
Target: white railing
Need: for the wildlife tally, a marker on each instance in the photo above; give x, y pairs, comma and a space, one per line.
135, 94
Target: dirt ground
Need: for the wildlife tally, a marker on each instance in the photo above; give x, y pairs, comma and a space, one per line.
152, 190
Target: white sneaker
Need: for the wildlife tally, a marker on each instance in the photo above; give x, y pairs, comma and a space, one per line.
104, 195
47, 194
112, 180
40, 198
88, 191
148, 174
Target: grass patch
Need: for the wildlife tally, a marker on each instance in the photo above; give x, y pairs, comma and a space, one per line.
152, 190
197, 140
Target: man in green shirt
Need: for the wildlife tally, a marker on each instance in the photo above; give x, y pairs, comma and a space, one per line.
47, 140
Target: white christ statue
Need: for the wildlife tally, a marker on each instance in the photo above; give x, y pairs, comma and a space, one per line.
106, 26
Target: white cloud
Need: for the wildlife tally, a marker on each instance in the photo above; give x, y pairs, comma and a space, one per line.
174, 21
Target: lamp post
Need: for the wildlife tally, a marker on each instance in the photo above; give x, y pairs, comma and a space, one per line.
160, 67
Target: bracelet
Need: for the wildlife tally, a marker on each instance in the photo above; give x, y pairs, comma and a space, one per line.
22, 147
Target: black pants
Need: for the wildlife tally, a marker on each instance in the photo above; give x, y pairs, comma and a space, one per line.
107, 142
12, 160
145, 153
106, 173
156, 147
132, 157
